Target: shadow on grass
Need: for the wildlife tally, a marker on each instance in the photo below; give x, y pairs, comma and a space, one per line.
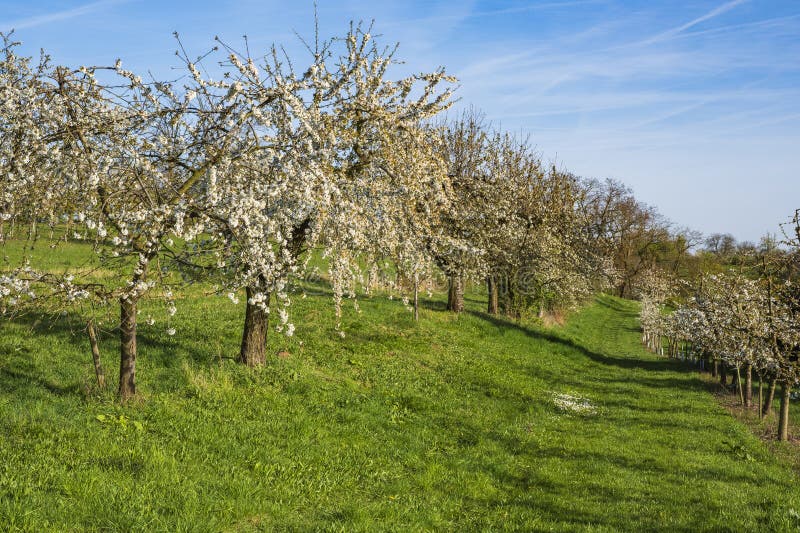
323, 290
14, 381
23, 370
537, 488
615, 305
661, 365
628, 465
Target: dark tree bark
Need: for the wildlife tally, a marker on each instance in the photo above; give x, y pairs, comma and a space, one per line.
510, 294
127, 360
783, 419
493, 295
738, 385
715, 368
748, 386
767, 409
253, 351
455, 294
723, 374
503, 293
98, 366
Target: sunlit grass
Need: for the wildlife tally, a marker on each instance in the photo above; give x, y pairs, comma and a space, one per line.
446, 424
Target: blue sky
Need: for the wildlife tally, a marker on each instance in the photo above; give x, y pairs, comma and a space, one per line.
694, 104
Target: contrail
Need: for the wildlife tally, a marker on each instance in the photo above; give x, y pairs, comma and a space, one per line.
47, 18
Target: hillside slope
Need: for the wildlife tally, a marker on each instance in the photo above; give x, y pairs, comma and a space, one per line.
456, 423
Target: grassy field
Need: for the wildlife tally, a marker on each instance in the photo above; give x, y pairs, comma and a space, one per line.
451, 423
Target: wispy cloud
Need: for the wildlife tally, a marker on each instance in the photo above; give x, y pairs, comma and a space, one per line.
461, 15
724, 8
57, 16
532, 7
777, 23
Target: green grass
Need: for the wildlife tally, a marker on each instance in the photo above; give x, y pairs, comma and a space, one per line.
448, 424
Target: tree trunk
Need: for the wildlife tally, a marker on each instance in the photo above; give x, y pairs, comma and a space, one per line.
748, 386
760, 394
507, 294
455, 294
494, 299
502, 292
783, 420
98, 366
715, 368
767, 409
723, 374
513, 299
253, 351
127, 359
739, 385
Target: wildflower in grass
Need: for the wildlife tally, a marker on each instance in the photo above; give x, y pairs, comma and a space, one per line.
573, 404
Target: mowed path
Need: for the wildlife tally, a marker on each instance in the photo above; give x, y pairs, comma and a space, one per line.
456, 423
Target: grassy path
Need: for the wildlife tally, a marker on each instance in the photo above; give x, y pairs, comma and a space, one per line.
449, 424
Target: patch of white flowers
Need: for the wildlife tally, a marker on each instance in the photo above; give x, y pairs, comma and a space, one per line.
573, 404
